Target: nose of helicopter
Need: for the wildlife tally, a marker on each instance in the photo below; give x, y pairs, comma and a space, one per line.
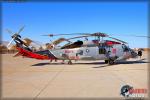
134, 54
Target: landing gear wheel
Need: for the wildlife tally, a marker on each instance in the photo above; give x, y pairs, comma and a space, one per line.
106, 61
63, 62
111, 62
69, 62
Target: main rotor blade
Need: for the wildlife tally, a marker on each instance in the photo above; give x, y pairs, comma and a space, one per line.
98, 34
130, 35
51, 35
77, 37
142, 36
138, 36
10, 43
20, 29
117, 39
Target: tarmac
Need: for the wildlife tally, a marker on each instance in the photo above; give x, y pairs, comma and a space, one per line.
31, 78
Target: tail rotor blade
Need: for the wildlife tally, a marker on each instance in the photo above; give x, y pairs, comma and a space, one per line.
10, 43
9, 31
20, 29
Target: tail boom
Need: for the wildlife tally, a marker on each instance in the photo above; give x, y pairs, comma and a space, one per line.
31, 54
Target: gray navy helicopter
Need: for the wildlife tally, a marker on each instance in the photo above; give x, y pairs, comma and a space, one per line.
110, 51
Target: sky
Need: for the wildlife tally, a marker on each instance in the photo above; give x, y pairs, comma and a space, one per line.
39, 18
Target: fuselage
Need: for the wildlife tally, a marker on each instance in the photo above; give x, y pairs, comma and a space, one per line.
79, 50
93, 52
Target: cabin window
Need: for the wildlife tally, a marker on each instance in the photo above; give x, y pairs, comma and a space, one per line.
73, 45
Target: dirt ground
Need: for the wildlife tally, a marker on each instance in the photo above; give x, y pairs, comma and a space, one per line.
31, 78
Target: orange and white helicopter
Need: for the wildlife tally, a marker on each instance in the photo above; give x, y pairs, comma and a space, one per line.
99, 49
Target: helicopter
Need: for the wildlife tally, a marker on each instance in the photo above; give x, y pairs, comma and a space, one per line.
110, 51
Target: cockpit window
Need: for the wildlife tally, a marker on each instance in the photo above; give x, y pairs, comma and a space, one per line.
125, 48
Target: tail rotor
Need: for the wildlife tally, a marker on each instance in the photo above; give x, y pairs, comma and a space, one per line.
14, 36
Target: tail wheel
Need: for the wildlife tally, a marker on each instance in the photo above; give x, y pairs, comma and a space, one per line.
106, 61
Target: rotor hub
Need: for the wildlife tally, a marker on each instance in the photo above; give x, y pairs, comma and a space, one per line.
99, 34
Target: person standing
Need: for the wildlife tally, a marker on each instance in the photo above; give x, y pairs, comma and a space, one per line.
140, 53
